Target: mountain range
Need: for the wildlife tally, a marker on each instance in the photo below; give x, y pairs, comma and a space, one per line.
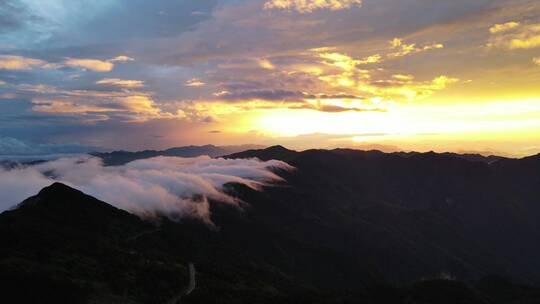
117, 158
345, 226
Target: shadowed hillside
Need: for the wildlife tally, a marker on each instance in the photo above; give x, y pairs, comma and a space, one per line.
442, 213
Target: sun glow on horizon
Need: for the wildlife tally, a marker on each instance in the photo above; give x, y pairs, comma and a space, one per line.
499, 123
408, 119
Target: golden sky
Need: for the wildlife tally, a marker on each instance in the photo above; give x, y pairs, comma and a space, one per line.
419, 75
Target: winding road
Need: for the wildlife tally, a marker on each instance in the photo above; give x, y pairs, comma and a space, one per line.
189, 288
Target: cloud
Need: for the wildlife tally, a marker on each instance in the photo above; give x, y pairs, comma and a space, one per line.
170, 186
13, 16
404, 87
121, 101
341, 61
401, 77
66, 106
536, 60
195, 82
16, 62
348, 66
2, 83
515, 36
308, 6
13, 62
140, 104
126, 108
90, 64
253, 100
403, 49
121, 82
266, 64
371, 59
121, 58
504, 27
37, 88
270, 95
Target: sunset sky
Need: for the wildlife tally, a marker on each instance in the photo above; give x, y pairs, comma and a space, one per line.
421, 75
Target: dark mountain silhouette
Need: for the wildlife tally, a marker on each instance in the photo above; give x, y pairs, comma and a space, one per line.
118, 158
442, 213
62, 246
346, 227
68, 247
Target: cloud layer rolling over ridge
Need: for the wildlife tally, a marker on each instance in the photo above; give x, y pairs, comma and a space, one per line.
170, 186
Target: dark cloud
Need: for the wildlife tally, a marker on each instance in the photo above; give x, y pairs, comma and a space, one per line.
268, 95
279, 95
14, 15
142, 18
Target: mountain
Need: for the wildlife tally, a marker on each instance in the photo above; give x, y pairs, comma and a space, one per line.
345, 227
282, 153
442, 213
68, 247
118, 158
62, 246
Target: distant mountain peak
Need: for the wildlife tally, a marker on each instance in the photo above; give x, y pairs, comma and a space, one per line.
60, 200
52, 192
273, 152
56, 187
278, 148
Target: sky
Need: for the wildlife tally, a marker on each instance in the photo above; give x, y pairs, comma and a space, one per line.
461, 75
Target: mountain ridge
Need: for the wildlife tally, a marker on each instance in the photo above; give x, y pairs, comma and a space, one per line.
277, 150
117, 158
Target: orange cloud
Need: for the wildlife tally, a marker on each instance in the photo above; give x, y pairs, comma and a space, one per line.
12, 62
121, 58
65, 106
122, 82
135, 108
90, 64
266, 64
195, 82
140, 104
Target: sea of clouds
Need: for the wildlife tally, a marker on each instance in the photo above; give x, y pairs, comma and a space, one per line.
171, 186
